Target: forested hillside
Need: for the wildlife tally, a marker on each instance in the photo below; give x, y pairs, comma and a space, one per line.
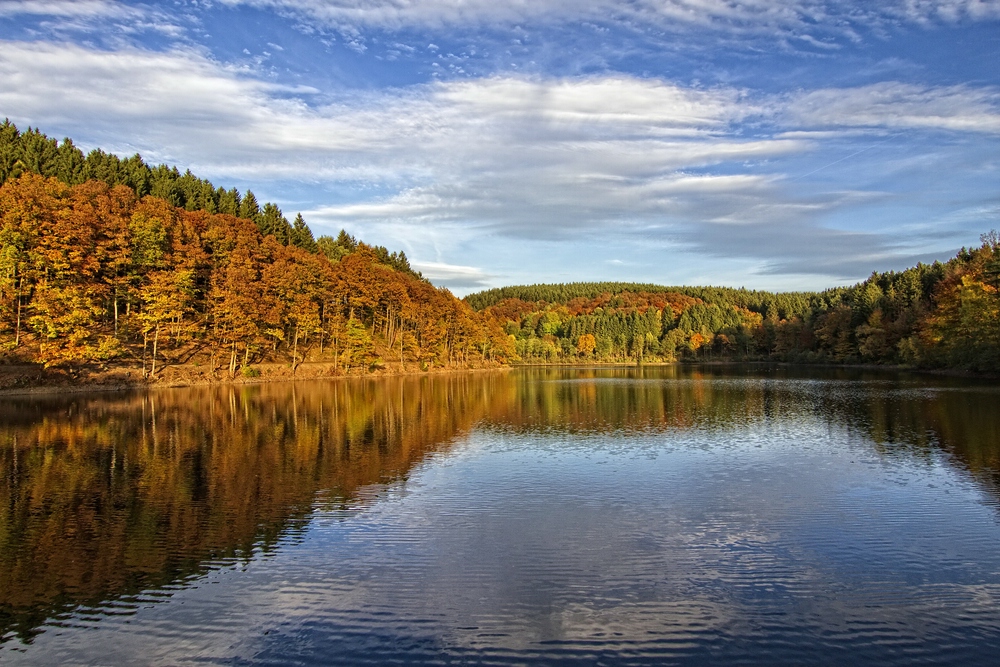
103, 258
939, 315
34, 152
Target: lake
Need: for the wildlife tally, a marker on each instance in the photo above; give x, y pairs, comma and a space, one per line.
610, 516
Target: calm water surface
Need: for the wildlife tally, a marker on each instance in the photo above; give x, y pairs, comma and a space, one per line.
724, 515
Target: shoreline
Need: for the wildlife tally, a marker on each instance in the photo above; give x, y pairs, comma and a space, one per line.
896, 368
33, 380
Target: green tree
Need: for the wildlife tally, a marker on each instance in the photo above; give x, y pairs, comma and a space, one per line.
302, 236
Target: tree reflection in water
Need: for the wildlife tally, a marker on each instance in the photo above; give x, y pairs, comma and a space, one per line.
106, 497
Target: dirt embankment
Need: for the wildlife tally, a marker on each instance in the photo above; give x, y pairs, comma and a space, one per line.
35, 379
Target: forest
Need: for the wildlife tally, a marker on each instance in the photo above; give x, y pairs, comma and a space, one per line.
941, 315
107, 259
103, 259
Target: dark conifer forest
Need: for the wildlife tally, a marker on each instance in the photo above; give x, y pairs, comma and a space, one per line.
105, 258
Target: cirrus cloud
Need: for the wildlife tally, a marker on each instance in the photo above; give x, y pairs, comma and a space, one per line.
899, 105
65, 8
796, 18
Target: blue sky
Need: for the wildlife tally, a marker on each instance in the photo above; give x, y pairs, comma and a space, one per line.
777, 145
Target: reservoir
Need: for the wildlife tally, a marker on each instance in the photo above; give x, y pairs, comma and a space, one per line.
674, 515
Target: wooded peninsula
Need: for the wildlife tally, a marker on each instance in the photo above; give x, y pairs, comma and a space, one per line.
105, 260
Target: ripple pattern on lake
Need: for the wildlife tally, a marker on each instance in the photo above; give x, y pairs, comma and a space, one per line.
693, 520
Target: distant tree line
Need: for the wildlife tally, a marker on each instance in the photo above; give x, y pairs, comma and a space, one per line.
153, 265
931, 315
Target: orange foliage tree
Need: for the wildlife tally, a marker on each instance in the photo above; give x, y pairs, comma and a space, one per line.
91, 272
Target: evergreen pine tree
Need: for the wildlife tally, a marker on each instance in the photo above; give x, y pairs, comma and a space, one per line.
272, 223
302, 236
9, 148
249, 208
229, 201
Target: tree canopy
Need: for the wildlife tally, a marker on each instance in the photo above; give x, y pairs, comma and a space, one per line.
153, 265
103, 257
936, 315
34, 152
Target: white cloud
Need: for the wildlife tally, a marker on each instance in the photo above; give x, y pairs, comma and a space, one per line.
205, 114
514, 157
101, 20
795, 18
741, 15
453, 275
899, 105
64, 8
948, 10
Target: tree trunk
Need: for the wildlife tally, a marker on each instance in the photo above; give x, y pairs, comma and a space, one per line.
336, 349
156, 340
17, 333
